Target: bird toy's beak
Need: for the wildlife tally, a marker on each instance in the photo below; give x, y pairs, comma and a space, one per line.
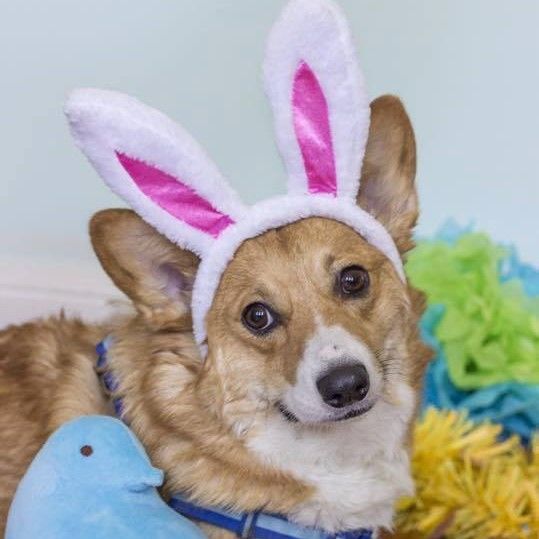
153, 478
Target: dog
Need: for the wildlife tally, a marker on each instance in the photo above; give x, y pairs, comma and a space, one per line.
305, 402
272, 363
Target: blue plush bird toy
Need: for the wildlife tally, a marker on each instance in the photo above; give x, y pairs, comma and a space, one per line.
93, 480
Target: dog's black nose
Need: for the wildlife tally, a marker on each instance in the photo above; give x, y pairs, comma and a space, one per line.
344, 385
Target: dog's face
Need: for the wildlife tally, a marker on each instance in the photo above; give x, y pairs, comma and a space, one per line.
307, 319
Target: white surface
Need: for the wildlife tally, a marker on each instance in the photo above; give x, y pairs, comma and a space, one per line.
31, 289
466, 70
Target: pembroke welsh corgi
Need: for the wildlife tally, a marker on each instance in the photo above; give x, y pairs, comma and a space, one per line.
300, 397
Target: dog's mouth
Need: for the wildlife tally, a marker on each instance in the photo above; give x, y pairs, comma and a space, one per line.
351, 414
286, 413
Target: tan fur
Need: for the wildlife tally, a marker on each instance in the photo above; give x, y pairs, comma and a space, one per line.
193, 417
119, 238
46, 378
388, 174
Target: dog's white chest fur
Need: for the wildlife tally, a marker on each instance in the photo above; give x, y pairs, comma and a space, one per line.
359, 468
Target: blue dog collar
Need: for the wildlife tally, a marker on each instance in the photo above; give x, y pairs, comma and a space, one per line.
255, 525
107, 378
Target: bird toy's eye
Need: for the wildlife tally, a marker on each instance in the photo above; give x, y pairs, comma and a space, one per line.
86, 450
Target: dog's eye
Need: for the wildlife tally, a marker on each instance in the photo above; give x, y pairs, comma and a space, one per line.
353, 281
259, 318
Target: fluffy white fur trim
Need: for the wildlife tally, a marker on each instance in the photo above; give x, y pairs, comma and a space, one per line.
316, 32
103, 122
274, 213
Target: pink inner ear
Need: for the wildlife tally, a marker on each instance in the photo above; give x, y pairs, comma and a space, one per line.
311, 123
175, 197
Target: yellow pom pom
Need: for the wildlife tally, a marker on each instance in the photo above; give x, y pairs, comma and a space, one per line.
469, 485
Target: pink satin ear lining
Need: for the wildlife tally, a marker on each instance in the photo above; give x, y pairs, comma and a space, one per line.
313, 131
175, 197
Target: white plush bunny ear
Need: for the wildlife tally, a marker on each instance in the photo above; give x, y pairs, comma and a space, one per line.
318, 97
155, 166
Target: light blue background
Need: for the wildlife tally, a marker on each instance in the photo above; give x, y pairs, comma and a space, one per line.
468, 72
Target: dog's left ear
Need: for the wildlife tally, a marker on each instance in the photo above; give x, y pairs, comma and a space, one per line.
154, 273
387, 188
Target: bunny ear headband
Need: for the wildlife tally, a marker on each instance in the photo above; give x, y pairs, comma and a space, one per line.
321, 112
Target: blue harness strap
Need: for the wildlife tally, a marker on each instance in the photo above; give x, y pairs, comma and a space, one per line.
255, 525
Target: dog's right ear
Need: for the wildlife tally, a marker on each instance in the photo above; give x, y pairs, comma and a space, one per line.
156, 274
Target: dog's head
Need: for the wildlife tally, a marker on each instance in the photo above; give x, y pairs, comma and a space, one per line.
310, 322
308, 319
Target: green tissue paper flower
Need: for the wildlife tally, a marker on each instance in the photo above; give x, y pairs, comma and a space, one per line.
490, 329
